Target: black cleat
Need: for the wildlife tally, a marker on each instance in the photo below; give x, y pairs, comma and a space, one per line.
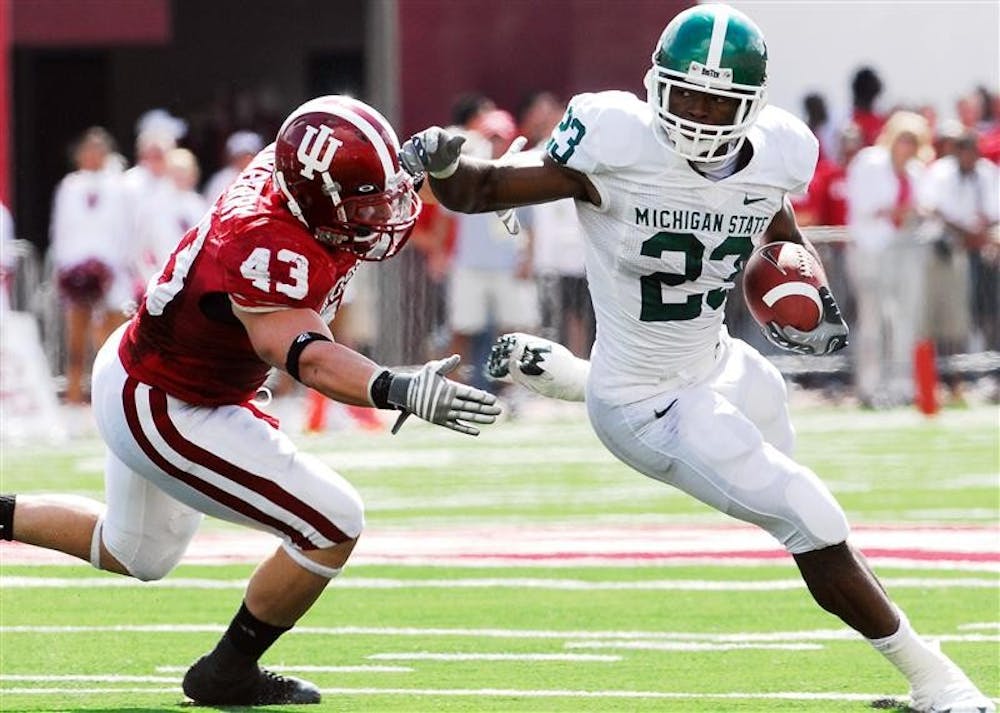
206, 685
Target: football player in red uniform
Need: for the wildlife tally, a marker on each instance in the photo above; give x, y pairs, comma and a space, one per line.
254, 286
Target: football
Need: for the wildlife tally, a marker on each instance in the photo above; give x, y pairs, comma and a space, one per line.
781, 284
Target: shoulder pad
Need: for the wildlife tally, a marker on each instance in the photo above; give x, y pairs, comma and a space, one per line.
792, 148
599, 131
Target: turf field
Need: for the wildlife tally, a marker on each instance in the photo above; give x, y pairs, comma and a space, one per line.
526, 570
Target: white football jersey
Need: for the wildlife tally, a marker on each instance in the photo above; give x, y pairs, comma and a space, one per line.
666, 243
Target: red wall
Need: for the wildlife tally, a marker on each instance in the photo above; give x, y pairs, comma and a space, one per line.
508, 48
90, 22
5, 108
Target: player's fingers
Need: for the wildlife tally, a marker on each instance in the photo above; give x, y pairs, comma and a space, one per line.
466, 393
461, 428
474, 408
474, 416
516, 145
445, 366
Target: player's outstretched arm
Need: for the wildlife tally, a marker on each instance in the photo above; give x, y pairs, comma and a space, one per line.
540, 365
297, 341
471, 185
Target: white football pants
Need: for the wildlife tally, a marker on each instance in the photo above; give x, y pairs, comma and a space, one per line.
169, 462
726, 440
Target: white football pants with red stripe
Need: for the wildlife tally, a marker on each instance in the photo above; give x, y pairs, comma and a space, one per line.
169, 462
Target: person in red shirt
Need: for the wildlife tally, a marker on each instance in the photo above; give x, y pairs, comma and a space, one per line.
825, 202
866, 86
252, 287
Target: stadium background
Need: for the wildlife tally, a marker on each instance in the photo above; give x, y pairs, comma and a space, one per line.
65, 66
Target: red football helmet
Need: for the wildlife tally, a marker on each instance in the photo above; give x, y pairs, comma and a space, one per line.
337, 161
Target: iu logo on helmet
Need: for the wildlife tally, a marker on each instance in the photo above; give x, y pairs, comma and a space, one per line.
316, 150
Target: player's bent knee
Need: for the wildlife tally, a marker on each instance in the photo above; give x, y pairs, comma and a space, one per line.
151, 563
145, 557
824, 526
327, 563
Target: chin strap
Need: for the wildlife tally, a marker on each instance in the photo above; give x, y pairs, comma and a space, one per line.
293, 205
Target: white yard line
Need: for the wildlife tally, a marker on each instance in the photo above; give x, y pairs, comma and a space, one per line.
740, 637
501, 693
432, 656
311, 669
88, 678
687, 646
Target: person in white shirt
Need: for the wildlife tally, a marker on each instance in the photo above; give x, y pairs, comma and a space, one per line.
241, 147
8, 260
557, 244
89, 251
885, 261
961, 194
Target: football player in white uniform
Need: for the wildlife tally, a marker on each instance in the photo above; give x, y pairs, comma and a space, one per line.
673, 193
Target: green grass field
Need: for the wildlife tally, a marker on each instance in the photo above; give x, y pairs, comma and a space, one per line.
534, 635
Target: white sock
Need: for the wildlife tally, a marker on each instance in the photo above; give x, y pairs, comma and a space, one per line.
923, 664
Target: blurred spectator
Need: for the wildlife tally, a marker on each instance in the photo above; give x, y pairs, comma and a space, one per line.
161, 121
537, 113
490, 279
8, 260
989, 135
866, 86
424, 270
825, 202
182, 167
469, 107
817, 118
89, 252
466, 111
946, 136
241, 147
150, 191
178, 208
885, 260
557, 248
963, 192
951, 195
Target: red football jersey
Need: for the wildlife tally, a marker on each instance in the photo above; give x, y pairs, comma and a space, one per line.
185, 339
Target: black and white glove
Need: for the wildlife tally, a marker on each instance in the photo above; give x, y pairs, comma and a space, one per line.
829, 336
427, 394
539, 365
434, 150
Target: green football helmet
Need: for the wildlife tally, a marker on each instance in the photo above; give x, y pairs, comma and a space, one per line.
717, 50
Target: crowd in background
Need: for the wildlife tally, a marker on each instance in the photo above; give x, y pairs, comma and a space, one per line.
912, 254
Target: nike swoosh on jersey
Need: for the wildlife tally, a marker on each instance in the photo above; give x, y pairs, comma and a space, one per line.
661, 414
747, 200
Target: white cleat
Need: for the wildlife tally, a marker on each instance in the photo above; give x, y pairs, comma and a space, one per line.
959, 697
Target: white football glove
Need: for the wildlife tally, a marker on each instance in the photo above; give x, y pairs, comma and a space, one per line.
434, 150
430, 396
539, 365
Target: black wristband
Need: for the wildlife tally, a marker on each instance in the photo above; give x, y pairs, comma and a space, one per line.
379, 391
295, 351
